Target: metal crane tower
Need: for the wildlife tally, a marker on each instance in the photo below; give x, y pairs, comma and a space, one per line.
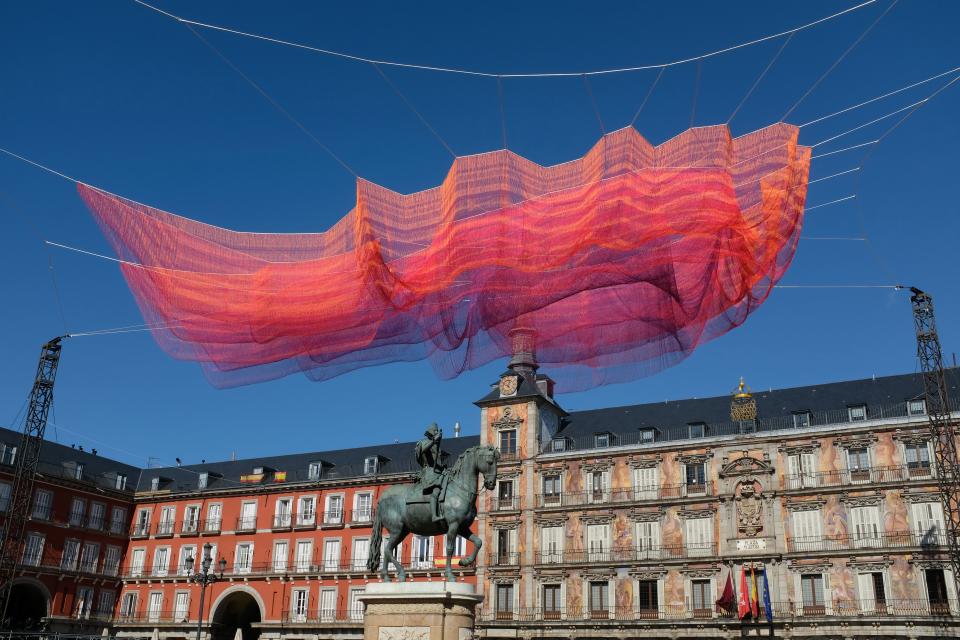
27, 457
942, 431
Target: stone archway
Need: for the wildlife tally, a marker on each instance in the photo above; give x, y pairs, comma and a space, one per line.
29, 604
235, 610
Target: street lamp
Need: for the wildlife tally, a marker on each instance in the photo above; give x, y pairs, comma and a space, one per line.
203, 577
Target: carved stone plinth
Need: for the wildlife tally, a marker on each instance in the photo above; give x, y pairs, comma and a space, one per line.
419, 611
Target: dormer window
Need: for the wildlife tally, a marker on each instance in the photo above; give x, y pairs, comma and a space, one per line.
78, 471
601, 440
697, 429
8, 453
648, 436
371, 464
560, 444
857, 412
314, 470
916, 407
257, 471
202, 479
121, 482
801, 419
155, 484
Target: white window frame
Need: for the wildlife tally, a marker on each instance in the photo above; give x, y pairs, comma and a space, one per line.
315, 471
299, 604
154, 606
128, 604
42, 504
309, 519
603, 495
33, 550
6, 491
181, 606
698, 536
94, 522
371, 465
551, 544
213, 523
160, 569
90, 557
807, 528
598, 537
328, 604
280, 555
70, 557
187, 551
857, 413
646, 483
331, 561
362, 513
141, 526
359, 557
330, 515
240, 566
118, 518
283, 517
111, 560
167, 521
303, 555
83, 603
78, 509
136, 568
802, 470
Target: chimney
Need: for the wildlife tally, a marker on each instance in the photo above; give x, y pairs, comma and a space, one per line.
523, 347
456, 429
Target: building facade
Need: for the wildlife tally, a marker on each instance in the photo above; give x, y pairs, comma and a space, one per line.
628, 521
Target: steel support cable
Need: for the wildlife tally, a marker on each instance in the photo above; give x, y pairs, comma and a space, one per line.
415, 111
593, 103
503, 113
393, 63
647, 97
760, 78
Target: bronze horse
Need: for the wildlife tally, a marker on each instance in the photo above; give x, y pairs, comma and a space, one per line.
403, 510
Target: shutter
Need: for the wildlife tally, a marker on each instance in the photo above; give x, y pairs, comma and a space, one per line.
951, 590
588, 483
793, 472
867, 595
808, 467
827, 595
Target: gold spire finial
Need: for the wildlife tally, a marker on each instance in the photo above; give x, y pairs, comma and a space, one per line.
743, 407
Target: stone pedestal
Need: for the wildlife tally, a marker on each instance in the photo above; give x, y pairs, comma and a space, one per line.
419, 611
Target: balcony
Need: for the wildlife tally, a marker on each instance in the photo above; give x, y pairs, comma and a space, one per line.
847, 477
332, 518
620, 555
282, 521
140, 530
325, 616
246, 524
626, 495
165, 529
899, 540
306, 520
504, 559
508, 503
152, 617
210, 526
189, 527
361, 517
509, 455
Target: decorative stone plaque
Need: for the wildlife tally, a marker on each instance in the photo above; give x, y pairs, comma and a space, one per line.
751, 544
404, 633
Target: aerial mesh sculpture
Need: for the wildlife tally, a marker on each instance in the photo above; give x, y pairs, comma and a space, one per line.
620, 263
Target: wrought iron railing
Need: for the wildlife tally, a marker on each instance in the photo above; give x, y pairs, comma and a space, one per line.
628, 494
627, 554
899, 540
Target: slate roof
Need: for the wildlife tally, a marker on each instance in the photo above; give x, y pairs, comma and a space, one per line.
526, 388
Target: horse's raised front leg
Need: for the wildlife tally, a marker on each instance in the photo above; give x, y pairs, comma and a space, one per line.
388, 556
477, 543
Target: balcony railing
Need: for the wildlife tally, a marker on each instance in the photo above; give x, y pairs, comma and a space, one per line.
626, 495
900, 540
282, 521
782, 611
361, 516
140, 530
846, 477
165, 528
79, 565
151, 617
325, 616
504, 559
247, 523
628, 554
211, 525
509, 455
509, 503
189, 527
332, 518
305, 520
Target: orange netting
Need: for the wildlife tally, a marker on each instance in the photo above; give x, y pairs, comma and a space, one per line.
621, 262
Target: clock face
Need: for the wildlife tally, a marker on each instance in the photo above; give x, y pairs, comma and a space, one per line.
508, 385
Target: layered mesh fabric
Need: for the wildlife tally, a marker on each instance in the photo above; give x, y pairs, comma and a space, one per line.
619, 263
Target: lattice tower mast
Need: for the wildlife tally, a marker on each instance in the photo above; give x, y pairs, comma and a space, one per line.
27, 457
942, 431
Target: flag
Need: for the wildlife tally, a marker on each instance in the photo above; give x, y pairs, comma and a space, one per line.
766, 595
743, 598
754, 598
727, 599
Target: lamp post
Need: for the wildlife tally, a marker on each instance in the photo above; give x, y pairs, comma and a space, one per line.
203, 577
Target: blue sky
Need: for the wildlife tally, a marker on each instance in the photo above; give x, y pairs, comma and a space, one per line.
125, 99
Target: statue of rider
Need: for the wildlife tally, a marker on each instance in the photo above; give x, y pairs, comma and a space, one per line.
432, 474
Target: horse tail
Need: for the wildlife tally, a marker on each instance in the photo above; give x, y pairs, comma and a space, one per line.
376, 542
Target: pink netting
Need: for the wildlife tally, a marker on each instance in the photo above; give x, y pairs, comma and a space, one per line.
621, 262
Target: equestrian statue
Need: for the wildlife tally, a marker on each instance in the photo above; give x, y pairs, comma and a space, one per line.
441, 501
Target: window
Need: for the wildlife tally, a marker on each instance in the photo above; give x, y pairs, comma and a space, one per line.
371, 465
801, 419
128, 606
248, 516
857, 413
243, 560
98, 512
154, 606
298, 605
120, 482
331, 554
917, 407
598, 542
280, 551
142, 527
33, 549
551, 544
928, 523
118, 519
647, 540
258, 471
699, 536
314, 470
508, 442
858, 462
560, 444
552, 490
505, 495
504, 601
697, 429
807, 533
355, 605
161, 561
552, 602
307, 510
84, 603
361, 552
42, 500
362, 507
90, 557
334, 510
423, 552
599, 599
304, 558
918, 456
213, 517
695, 474
648, 599
203, 478
191, 518
865, 526
812, 592
601, 440
802, 471
111, 560
506, 540
283, 512
937, 594
8, 453
188, 551
701, 598
71, 554
181, 606
154, 484
645, 483
78, 507
105, 603
78, 471
5, 490
137, 560
648, 436
328, 605
167, 517
598, 486
873, 592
